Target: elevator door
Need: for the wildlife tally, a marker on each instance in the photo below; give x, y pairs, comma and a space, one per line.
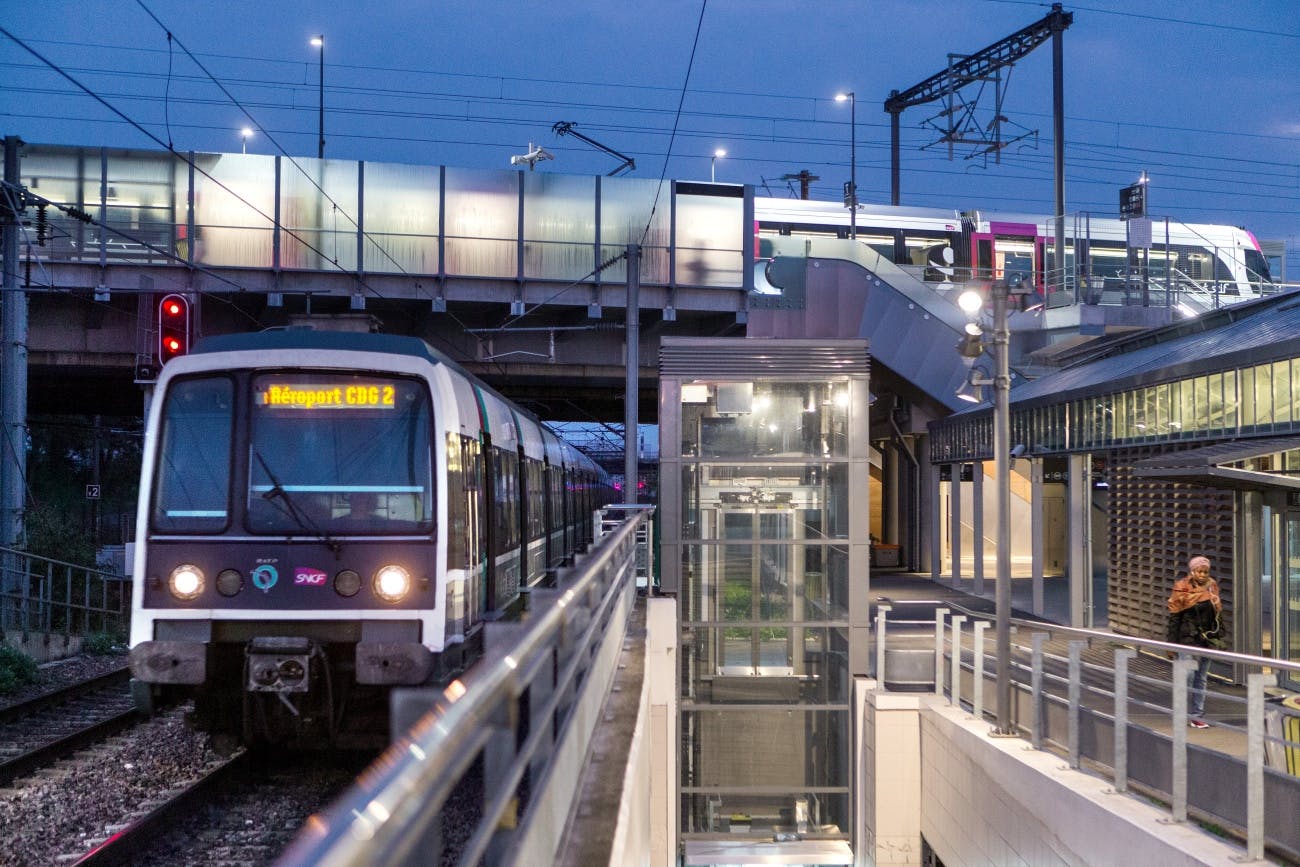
756, 586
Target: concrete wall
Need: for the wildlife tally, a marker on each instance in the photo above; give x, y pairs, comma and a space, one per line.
988, 800
645, 833
890, 781
44, 647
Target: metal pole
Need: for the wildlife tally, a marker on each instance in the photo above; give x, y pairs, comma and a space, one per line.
893, 154
1058, 135
954, 695
1255, 685
881, 611
853, 166
320, 152
1122, 658
940, 616
631, 391
13, 361
1178, 752
1002, 477
1075, 698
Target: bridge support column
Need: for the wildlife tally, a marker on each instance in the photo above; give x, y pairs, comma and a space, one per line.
1080, 557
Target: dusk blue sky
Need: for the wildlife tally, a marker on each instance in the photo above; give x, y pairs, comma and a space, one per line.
1204, 96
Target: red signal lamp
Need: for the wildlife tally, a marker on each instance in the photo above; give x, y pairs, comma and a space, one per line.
173, 327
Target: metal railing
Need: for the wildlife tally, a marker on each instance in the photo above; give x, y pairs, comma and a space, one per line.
43, 595
1116, 703
511, 714
611, 517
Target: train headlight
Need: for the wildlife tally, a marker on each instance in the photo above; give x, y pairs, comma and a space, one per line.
186, 582
347, 583
229, 582
392, 583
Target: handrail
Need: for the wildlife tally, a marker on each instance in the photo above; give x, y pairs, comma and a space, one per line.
387, 811
1158, 647
1265, 809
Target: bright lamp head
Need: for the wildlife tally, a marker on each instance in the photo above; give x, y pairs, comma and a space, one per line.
185, 582
971, 302
392, 583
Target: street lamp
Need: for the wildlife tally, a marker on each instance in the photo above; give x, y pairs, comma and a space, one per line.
999, 343
246, 133
319, 42
851, 195
713, 164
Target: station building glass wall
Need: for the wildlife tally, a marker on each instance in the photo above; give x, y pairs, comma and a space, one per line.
303, 213
767, 536
1256, 400
1155, 524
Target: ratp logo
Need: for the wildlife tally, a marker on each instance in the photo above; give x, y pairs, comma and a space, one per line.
264, 577
306, 577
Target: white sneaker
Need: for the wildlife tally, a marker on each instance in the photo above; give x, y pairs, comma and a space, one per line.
1198, 724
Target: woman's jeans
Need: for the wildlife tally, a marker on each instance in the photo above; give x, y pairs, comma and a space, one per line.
1196, 685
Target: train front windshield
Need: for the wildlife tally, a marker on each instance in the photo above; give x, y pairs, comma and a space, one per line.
325, 455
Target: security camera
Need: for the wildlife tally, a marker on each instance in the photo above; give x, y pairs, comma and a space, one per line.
535, 154
1018, 450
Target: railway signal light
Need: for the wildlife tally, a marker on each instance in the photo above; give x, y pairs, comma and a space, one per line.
173, 327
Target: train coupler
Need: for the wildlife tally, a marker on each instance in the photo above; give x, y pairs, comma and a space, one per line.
279, 664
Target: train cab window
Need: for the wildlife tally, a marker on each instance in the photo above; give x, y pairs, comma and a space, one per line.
339, 454
193, 485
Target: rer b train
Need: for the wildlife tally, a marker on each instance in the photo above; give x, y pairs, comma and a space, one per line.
324, 516
951, 246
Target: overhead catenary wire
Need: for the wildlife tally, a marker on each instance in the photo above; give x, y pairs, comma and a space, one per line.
482, 96
686, 81
184, 158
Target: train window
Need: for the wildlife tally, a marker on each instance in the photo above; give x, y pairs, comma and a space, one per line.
1257, 269
339, 454
193, 475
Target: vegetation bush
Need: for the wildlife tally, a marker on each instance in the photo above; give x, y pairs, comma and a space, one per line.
16, 669
103, 643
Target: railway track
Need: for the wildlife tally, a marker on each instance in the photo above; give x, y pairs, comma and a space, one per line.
38, 732
85, 779
127, 842
242, 811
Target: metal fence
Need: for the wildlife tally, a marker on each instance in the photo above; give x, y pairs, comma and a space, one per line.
43, 595
1116, 704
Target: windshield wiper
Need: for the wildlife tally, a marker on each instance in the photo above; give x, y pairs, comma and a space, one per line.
286, 505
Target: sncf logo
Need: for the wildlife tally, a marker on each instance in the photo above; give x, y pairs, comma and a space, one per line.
308, 577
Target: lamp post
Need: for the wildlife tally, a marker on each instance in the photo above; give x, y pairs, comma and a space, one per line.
713, 164
319, 42
851, 200
999, 343
245, 134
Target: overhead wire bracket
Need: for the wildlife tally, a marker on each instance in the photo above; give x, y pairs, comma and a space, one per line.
565, 127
